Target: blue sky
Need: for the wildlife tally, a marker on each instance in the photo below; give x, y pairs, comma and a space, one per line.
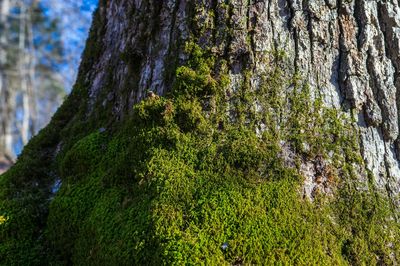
75, 18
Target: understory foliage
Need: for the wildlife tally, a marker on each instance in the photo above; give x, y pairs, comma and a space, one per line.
198, 177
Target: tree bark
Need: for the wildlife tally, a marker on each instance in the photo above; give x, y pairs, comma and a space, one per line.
348, 51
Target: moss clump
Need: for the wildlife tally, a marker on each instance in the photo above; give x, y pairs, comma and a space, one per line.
82, 157
191, 178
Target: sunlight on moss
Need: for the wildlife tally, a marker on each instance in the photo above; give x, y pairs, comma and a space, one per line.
3, 219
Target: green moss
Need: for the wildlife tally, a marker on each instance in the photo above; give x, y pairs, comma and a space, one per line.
186, 179
83, 156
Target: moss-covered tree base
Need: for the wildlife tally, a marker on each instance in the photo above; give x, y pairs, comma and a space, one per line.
190, 178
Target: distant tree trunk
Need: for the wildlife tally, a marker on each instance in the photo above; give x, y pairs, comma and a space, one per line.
6, 94
27, 74
31, 62
17, 76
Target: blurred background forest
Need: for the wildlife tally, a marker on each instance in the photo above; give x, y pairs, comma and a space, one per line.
41, 42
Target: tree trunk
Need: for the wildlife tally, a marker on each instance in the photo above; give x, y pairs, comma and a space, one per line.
27, 74
17, 77
345, 52
6, 95
348, 51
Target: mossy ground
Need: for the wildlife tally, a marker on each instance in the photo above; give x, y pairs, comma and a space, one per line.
186, 179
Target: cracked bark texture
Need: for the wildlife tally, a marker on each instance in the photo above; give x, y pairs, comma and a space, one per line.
348, 51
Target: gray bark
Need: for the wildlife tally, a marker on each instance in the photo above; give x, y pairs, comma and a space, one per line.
348, 51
